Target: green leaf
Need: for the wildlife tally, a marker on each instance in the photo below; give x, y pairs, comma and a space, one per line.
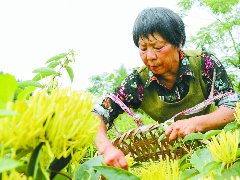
163, 136
231, 126
8, 86
4, 113
24, 84
57, 165
238, 152
21, 153
44, 72
211, 133
193, 136
115, 173
63, 176
25, 93
54, 64
183, 160
57, 57
42, 173
38, 77
232, 171
8, 164
211, 166
70, 72
186, 166
189, 173
200, 158
34, 161
86, 170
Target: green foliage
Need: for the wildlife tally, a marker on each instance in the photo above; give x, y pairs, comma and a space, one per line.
57, 165
8, 164
115, 173
27, 83
125, 122
107, 82
193, 136
57, 58
220, 6
211, 133
8, 86
200, 158
47, 77
55, 66
34, 162
222, 35
87, 171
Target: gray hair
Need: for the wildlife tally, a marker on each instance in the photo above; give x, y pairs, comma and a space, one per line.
162, 21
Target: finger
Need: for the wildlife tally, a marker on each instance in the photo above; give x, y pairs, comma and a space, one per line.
173, 135
109, 162
123, 163
117, 164
181, 134
168, 130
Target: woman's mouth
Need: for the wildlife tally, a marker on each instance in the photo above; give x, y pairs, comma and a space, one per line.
153, 67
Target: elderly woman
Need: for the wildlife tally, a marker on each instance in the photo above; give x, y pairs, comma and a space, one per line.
170, 81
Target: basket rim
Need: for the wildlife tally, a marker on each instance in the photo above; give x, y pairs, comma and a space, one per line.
134, 132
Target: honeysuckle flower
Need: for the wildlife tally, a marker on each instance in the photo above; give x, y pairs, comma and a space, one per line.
130, 160
13, 175
63, 121
164, 170
237, 114
72, 127
224, 147
23, 131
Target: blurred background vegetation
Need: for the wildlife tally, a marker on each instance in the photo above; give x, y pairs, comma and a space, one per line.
221, 37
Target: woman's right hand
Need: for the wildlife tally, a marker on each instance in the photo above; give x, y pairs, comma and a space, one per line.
114, 157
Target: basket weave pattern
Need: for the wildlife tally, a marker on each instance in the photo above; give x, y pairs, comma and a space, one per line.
144, 144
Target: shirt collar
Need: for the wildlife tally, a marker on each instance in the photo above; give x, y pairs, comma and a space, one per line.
183, 71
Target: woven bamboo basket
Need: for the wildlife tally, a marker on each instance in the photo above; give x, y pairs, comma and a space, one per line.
145, 143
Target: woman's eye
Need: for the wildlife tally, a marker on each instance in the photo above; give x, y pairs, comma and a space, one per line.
158, 48
142, 48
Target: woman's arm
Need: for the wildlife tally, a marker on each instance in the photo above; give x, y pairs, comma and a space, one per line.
112, 156
214, 120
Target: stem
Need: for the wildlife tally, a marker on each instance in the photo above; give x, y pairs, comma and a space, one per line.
234, 45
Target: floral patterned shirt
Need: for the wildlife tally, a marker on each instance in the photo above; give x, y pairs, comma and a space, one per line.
131, 90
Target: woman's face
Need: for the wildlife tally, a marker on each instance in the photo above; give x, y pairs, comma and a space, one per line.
158, 54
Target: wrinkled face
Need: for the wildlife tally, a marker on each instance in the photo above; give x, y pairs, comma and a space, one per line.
158, 54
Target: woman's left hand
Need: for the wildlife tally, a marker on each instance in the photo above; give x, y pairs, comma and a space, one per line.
181, 128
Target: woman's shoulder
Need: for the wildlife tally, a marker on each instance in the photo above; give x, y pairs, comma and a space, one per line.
192, 53
198, 52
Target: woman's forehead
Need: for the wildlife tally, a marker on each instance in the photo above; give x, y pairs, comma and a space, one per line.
151, 38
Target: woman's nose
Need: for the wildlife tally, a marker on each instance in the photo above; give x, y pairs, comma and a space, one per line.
151, 55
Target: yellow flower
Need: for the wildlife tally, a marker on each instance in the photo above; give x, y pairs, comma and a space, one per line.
130, 160
13, 175
224, 148
164, 170
72, 126
23, 130
62, 120
237, 114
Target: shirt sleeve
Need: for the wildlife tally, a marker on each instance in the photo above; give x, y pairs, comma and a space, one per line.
130, 92
222, 82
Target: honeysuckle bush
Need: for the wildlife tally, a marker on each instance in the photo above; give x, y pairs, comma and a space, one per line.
46, 129
47, 132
